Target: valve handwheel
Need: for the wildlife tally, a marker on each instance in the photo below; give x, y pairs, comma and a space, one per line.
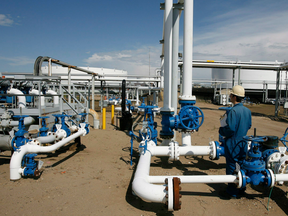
191, 117
255, 139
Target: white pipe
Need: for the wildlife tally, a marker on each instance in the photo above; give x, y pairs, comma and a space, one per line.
187, 49
95, 116
10, 123
93, 92
16, 159
137, 97
168, 55
187, 60
140, 185
194, 150
21, 99
206, 179
55, 98
281, 177
36, 92
175, 50
186, 139
46, 139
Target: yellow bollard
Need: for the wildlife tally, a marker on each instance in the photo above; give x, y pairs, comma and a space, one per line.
112, 115
104, 118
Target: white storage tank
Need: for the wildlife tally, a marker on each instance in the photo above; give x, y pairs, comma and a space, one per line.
250, 79
79, 75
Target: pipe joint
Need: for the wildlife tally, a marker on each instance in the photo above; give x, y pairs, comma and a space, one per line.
217, 150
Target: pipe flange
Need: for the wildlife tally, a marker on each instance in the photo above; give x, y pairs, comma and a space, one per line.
240, 179
176, 194
171, 151
176, 151
170, 194
272, 178
213, 150
35, 142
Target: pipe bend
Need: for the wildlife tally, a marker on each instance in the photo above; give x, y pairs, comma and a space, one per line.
94, 114
21, 99
148, 192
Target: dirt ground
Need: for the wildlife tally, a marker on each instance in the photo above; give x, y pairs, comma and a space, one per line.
95, 178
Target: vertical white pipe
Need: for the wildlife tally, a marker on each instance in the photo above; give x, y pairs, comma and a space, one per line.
137, 97
162, 73
69, 84
175, 49
188, 48
168, 55
186, 139
93, 92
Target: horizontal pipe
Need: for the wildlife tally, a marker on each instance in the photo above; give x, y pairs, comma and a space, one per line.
46, 139
206, 179
10, 123
195, 150
281, 177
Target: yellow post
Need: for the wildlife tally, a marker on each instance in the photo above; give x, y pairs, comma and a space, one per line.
104, 118
112, 115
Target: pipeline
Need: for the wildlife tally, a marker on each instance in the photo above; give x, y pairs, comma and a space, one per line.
33, 147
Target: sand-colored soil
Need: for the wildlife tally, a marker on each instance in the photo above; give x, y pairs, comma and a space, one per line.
95, 179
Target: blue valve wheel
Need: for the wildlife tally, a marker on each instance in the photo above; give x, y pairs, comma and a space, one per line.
191, 117
255, 139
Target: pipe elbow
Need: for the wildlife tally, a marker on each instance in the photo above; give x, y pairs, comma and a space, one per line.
149, 192
94, 114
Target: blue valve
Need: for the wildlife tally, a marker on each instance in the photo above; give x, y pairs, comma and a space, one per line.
19, 139
30, 165
44, 129
63, 125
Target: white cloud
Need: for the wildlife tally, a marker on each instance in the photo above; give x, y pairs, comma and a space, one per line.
18, 61
255, 37
5, 21
136, 61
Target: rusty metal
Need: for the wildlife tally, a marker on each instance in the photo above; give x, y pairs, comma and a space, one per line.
176, 194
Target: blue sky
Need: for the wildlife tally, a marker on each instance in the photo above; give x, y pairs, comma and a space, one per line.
121, 34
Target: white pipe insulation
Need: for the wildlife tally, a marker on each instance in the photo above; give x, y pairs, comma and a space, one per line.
21, 99
30, 147
36, 92
55, 98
